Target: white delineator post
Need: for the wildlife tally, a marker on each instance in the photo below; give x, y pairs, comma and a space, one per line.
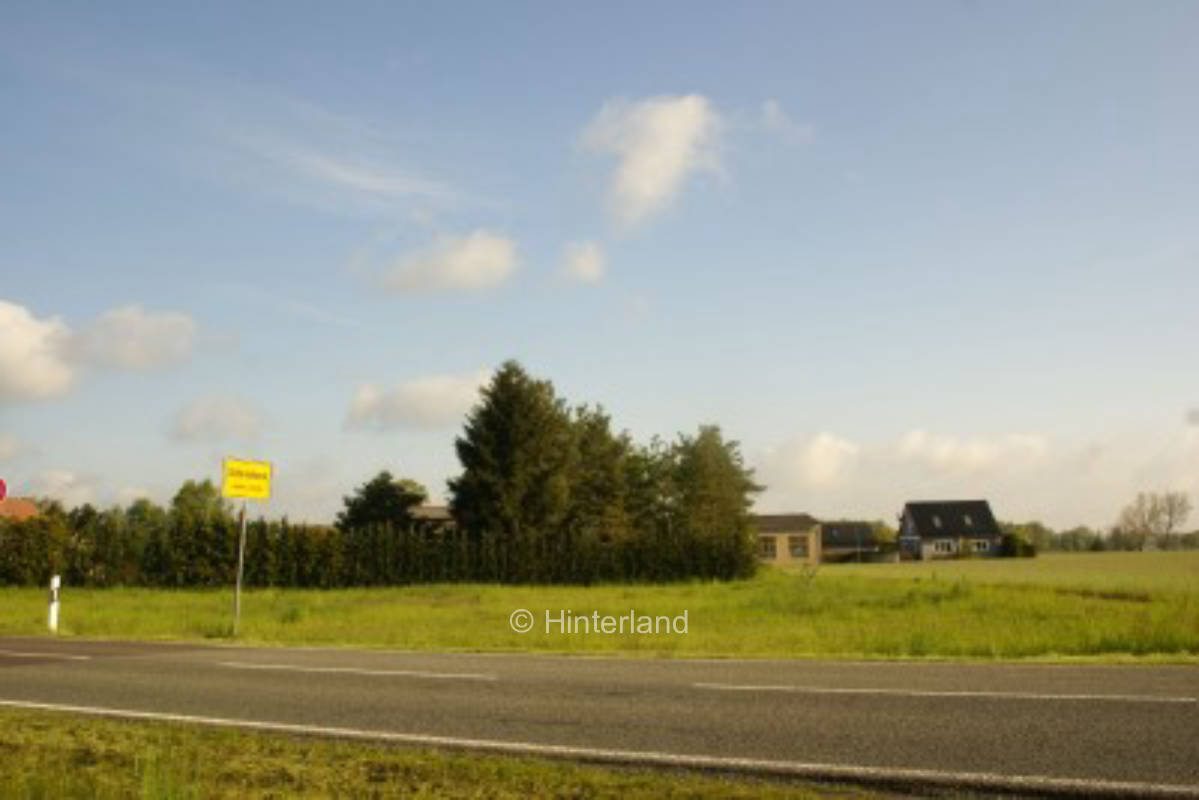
52, 620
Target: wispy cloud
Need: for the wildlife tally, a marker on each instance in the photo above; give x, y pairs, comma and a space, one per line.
658, 142
132, 338
319, 173
69, 488
583, 262
301, 309
480, 260
217, 419
433, 402
257, 137
776, 121
10, 448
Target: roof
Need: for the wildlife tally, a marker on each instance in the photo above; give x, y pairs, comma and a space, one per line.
783, 523
847, 534
952, 518
17, 508
431, 513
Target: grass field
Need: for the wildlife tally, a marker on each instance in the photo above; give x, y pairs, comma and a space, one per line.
58, 756
1105, 607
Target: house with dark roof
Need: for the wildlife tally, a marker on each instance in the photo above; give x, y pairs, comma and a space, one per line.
852, 541
17, 508
948, 529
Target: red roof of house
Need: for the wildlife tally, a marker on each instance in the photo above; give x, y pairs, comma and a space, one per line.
17, 508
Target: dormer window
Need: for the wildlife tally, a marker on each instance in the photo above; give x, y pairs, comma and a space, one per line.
936, 521
967, 519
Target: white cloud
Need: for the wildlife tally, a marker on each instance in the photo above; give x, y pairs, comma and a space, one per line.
823, 461
1193, 416
65, 486
437, 401
132, 338
9, 447
479, 260
658, 142
217, 419
775, 119
33, 355
972, 454
584, 262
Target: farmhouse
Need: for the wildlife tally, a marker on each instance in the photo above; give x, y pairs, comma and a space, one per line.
787, 538
948, 529
17, 508
803, 539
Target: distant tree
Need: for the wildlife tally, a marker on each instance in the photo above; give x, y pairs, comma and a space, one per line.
380, 501
202, 536
1174, 508
1077, 539
1151, 518
886, 535
513, 496
716, 492
652, 506
596, 519
201, 501
1025, 535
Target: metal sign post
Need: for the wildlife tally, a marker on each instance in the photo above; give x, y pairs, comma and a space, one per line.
245, 480
241, 560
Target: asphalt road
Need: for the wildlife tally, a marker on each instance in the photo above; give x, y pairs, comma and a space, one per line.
1120, 730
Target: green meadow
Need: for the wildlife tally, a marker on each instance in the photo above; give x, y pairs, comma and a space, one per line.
64, 756
1090, 606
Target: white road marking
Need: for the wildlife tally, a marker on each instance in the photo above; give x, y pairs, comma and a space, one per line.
63, 656
398, 673
1125, 698
1079, 787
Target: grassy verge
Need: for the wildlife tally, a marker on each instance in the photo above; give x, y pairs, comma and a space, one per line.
58, 756
1142, 606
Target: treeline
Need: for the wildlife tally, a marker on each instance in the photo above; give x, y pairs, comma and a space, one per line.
551, 494
547, 494
1152, 521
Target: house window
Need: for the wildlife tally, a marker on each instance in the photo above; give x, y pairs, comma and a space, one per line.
943, 546
968, 520
798, 546
981, 545
936, 521
767, 547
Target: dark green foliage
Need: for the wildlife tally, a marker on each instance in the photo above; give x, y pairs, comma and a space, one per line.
547, 495
518, 457
381, 501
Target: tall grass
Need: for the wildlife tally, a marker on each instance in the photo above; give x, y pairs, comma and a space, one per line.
56, 756
1130, 605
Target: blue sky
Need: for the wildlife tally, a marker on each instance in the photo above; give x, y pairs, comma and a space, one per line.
898, 251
